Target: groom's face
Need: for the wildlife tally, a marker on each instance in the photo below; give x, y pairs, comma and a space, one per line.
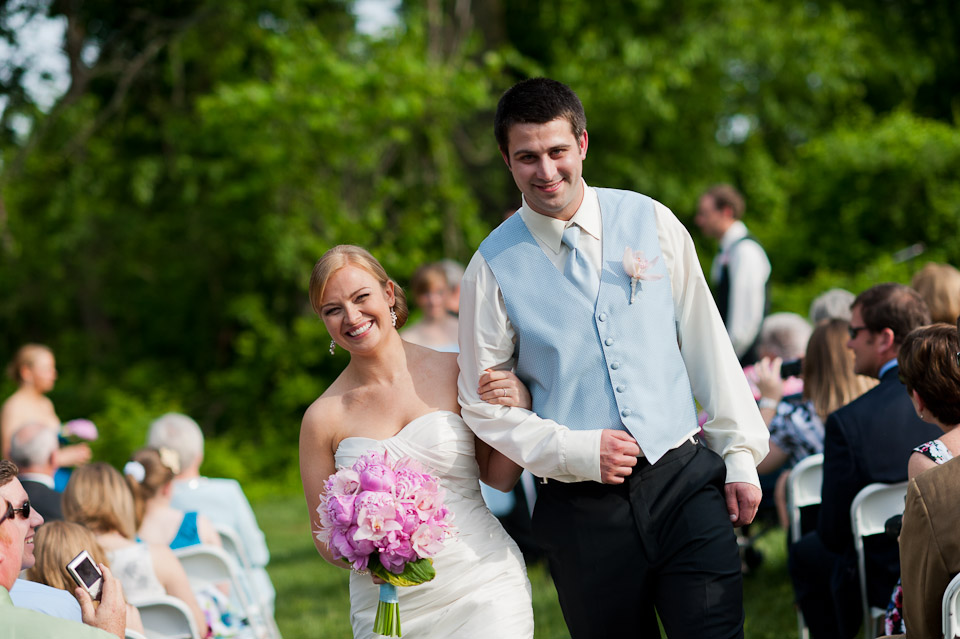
546, 161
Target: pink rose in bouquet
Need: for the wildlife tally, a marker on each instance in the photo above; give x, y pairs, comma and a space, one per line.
388, 518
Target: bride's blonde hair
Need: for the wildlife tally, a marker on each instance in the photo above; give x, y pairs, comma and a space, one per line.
349, 255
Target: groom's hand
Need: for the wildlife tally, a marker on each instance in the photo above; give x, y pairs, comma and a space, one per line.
618, 456
742, 502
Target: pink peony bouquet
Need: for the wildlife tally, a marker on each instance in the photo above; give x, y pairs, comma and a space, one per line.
388, 519
80, 429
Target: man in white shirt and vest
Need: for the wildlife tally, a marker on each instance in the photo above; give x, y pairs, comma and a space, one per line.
634, 516
740, 272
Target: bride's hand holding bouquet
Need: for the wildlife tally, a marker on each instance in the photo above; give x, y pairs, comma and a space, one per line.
388, 519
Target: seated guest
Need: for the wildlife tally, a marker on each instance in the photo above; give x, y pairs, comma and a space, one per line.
931, 373
55, 545
868, 440
939, 286
33, 448
98, 497
829, 382
17, 527
929, 552
783, 338
831, 304
221, 500
150, 473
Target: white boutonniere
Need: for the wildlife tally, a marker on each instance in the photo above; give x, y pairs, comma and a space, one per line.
636, 265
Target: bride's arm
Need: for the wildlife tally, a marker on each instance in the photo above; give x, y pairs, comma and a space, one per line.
500, 387
316, 465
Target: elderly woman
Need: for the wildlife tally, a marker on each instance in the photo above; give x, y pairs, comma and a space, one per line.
55, 545
98, 497
930, 369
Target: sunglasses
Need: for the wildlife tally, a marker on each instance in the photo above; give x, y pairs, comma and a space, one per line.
24, 511
855, 330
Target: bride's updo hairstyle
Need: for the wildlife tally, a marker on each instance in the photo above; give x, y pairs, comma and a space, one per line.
349, 255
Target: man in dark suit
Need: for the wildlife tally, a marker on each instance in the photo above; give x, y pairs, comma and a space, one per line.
868, 440
32, 448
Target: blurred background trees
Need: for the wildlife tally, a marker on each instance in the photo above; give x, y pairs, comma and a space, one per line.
160, 217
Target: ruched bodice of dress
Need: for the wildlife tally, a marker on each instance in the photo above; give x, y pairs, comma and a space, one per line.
481, 588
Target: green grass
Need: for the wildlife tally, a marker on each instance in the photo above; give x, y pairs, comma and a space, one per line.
313, 602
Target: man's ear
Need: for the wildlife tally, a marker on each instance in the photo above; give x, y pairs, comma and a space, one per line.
584, 143
886, 339
506, 158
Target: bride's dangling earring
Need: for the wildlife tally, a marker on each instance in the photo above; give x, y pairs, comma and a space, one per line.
393, 317
333, 346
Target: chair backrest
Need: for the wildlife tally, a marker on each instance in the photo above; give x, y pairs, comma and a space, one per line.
234, 546
951, 609
167, 617
208, 567
869, 512
132, 634
803, 489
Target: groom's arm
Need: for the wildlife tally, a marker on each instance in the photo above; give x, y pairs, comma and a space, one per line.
736, 430
542, 446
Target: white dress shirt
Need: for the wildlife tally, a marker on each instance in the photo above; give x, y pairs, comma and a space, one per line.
748, 270
549, 449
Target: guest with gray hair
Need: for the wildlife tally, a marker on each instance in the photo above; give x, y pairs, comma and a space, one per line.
220, 500
834, 303
33, 448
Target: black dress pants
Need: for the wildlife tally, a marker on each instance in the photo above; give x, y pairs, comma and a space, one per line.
661, 540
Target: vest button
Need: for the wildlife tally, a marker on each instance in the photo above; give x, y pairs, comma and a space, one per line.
615, 365
626, 412
621, 388
602, 317
608, 341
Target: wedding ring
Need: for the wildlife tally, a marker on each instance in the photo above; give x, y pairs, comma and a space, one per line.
504, 392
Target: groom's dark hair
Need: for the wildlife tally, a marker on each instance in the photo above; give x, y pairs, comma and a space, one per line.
537, 101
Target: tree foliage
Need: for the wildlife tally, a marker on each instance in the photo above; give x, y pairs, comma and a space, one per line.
158, 224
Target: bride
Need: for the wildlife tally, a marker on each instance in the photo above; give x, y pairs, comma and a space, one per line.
402, 398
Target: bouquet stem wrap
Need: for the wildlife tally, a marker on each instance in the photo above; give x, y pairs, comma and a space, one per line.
387, 622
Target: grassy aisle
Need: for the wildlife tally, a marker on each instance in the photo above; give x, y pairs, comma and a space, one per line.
312, 599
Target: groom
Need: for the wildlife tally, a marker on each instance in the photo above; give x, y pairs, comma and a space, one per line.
634, 514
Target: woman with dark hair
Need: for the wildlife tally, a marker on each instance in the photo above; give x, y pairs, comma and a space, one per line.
930, 369
401, 398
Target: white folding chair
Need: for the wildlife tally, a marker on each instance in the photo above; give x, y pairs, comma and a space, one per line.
132, 634
803, 489
209, 567
951, 609
167, 618
869, 512
233, 545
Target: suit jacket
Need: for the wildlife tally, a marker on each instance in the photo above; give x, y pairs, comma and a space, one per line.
869, 440
45, 499
929, 546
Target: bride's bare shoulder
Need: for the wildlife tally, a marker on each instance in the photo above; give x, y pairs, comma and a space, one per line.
324, 416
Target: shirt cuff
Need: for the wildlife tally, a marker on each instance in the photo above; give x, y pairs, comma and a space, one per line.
741, 467
581, 455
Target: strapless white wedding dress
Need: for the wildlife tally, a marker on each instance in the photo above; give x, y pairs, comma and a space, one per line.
481, 588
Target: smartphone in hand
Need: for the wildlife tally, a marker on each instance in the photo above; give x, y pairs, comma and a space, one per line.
86, 573
791, 368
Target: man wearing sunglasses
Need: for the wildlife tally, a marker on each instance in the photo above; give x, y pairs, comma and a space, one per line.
867, 441
18, 523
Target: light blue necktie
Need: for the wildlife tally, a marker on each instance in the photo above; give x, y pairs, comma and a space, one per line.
577, 269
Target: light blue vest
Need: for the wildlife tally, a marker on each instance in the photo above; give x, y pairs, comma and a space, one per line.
609, 364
